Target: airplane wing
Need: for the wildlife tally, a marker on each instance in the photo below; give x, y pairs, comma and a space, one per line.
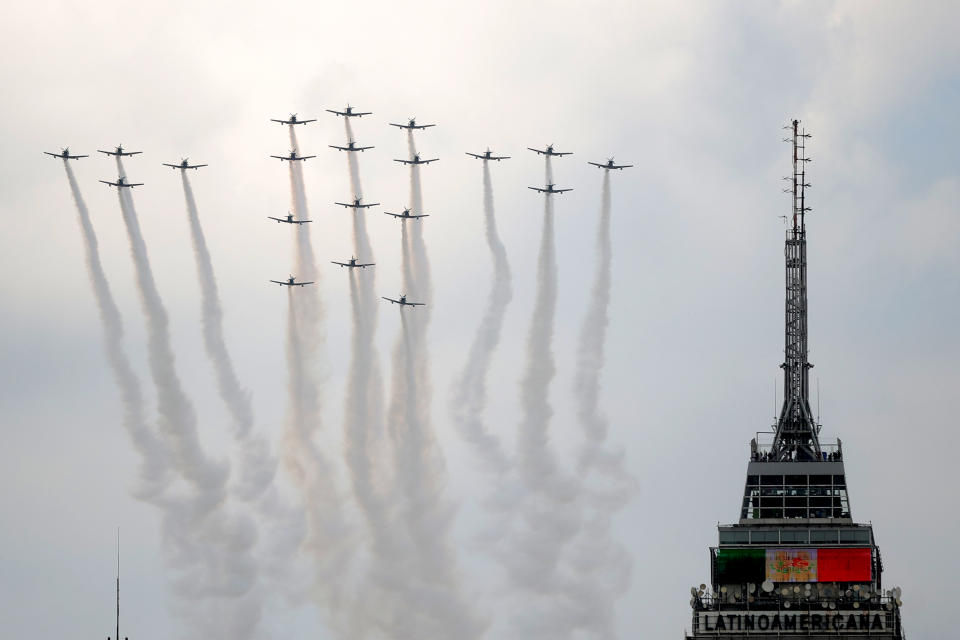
424, 126
278, 282
344, 204
564, 153
277, 219
365, 113
622, 166
597, 164
475, 155
416, 304
281, 122
403, 161
306, 121
399, 126
342, 264
562, 190
133, 184
195, 166
301, 221
280, 157
333, 146
112, 184
365, 264
362, 148
372, 204
333, 111
395, 215
429, 161
302, 284
536, 150
131, 153
172, 166
304, 157
390, 299
109, 153
537, 189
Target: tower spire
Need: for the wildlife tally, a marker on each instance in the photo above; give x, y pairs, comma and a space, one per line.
796, 436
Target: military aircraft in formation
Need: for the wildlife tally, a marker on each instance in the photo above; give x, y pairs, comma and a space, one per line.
184, 164
357, 204
289, 219
549, 189
121, 183
407, 215
64, 155
487, 155
609, 165
291, 282
348, 112
293, 156
353, 264
403, 302
119, 152
416, 160
411, 125
351, 146
550, 152
293, 120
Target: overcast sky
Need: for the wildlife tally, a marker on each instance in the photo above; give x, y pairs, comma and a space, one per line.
694, 95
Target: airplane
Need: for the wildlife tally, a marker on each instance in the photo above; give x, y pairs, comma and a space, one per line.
293, 120
417, 160
487, 155
356, 204
351, 146
184, 164
119, 152
291, 283
64, 155
352, 263
122, 182
550, 152
609, 165
289, 219
549, 189
412, 124
406, 214
293, 156
403, 302
349, 112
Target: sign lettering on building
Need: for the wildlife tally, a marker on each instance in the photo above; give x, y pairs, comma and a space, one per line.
791, 622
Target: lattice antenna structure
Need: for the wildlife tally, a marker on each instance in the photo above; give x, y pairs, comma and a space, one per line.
796, 434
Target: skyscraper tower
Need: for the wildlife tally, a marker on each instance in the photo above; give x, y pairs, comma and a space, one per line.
796, 564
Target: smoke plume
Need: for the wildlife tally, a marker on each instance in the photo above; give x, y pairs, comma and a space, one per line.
431, 599
154, 475
212, 547
547, 516
329, 537
469, 396
602, 564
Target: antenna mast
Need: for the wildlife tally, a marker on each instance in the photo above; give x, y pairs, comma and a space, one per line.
796, 436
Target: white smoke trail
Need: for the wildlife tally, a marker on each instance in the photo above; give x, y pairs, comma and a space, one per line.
469, 395
431, 603
257, 465
547, 516
602, 564
330, 539
154, 475
212, 546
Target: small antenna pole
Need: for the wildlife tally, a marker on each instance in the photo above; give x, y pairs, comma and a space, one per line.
118, 584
